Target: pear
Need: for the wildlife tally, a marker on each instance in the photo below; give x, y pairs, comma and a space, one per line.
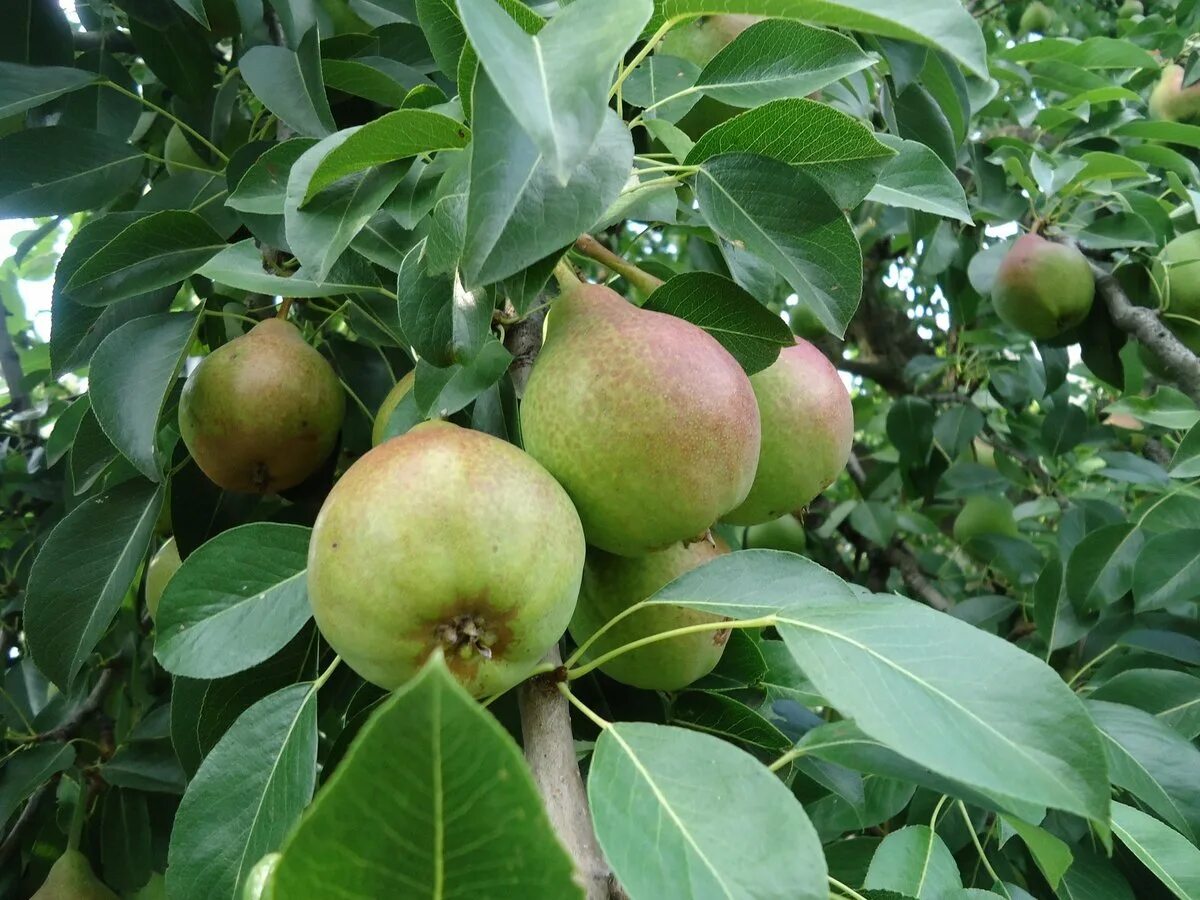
180, 156
451, 539
71, 878
1043, 288
1171, 101
699, 40
644, 418
260, 881
785, 533
611, 584
261, 413
1037, 17
984, 514
1129, 9
807, 432
162, 567
400, 392
1176, 271
804, 322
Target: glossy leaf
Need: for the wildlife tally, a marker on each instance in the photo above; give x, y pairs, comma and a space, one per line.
25, 87
1162, 850
60, 169
263, 187
916, 179
289, 84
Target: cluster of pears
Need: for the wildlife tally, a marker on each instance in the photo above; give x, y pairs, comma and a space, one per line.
640, 433
1042, 287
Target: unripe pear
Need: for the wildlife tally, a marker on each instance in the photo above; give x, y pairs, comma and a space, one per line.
1129, 9
611, 584
984, 514
162, 567
785, 533
1037, 17
1170, 100
451, 539
260, 881
179, 155
1176, 271
647, 421
261, 413
985, 453
807, 431
381, 430
699, 40
804, 322
1042, 287
71, 878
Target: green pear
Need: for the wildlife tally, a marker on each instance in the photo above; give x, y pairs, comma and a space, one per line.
699, 40
261, 413
611, 584
1129, 9
71, 878
1176, 272
180, 155
162, 567
260, 880
985, 453
451, 539
383, 427
1037, 17
984, 514
1042, 287
807, 432
1171, 101
804, 322
785, 533
644, 418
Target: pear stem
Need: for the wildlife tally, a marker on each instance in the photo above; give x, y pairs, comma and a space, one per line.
284, 308
639, 278
566, 277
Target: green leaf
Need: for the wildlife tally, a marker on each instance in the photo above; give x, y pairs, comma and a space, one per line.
289, 84
555, 83
27, 769
1163, 851
1173, 697
517, 211
1051, 853
240, 265
397, 135
662, 87
667, 782
60, 169
146, 766
378, 83
321, 231
444, 30
1063, 428
1167, 571
235, 601
837, 150
195, 9
264, 185
1100, 568
125, 839
82, 573
910, 424
155, 251
956, 428
943, 24
1186, 461
441, 392
427, 755
917, 179
776, 58
915, 862
425, 308
131, 374
1166, 407
1167, 132
26, 87
752, 200
728, 719
1153, 762
246, 796
750, 332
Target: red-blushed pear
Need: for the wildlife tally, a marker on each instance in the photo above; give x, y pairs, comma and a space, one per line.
807, 432
163, 566
71, 878
644, 418
1042, 287
451, 539
400, 390
1171, 101
261, 413
612, 584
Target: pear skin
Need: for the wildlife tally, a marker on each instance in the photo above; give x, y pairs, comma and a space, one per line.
699, 40
261, 413
984, 514
647, 421
71, 878
445, 538
1042, 287
785, 533
163, 566
1177, 273
611, 584
807, 433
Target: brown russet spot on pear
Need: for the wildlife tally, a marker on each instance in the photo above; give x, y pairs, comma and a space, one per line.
261, 413
1042, 287
71, 878
611, 584
645, 419
445, 539
807, 433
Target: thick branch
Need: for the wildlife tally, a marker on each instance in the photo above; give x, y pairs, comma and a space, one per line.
1145, 324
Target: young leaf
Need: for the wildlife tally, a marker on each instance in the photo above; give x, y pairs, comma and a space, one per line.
234, 602
246, 796
425, 756
28, 769
722, 823
82, 573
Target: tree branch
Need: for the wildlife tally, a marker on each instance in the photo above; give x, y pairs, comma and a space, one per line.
28, 816
10, 367
90, 704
